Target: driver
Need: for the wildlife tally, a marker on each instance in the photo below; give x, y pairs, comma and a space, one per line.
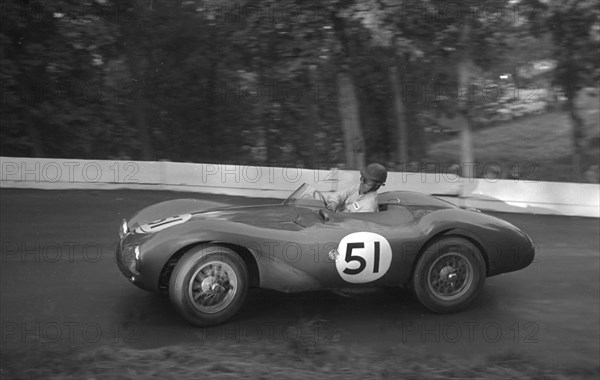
361, 197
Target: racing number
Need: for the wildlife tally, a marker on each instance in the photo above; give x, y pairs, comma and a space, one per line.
361, 260
363, 257
161, 224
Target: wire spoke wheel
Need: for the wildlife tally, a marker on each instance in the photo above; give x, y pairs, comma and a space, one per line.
209, 285
213, 286
450, 276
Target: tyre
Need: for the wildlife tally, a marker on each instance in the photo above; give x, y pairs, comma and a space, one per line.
208, 285
449, 275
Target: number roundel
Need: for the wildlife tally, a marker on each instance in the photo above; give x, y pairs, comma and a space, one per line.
161, 224
363, 257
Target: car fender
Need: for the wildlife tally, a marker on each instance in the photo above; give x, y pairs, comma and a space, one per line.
456, 222
273, 272
504, 246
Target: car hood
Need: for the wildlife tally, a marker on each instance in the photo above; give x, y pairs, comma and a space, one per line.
199, 210
248, 214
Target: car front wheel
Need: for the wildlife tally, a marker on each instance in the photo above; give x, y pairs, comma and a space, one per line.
449, 275
208, 285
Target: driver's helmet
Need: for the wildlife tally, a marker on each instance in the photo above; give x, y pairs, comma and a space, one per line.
375, 172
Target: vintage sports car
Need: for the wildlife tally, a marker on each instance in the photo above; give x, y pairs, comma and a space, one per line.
205, 260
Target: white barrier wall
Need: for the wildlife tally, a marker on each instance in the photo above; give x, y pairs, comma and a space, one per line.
279, 182
533, 197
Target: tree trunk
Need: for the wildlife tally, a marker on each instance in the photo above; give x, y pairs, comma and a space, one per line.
208, 126
354, 145
466, 147
576, 138
312, 114
37, 148
466, 156
417, 147
348, 105
401, 129
138, 105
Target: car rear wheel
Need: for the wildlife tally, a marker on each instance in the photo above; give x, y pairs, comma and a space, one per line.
449, 275
208, 285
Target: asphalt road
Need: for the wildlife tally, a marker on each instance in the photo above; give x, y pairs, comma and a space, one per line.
61, 290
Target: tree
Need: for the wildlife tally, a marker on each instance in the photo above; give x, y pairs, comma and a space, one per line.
58, 96
430, 40
574, 26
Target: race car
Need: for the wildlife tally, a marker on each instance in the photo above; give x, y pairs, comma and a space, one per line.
205, 260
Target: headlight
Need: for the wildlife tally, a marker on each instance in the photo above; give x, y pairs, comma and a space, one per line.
131, 258
123, 230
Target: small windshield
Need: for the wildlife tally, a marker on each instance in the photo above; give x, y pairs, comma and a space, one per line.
306, 195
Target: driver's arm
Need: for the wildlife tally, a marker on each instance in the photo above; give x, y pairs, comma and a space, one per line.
337, 199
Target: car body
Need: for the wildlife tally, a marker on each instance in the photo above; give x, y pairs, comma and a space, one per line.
443, 252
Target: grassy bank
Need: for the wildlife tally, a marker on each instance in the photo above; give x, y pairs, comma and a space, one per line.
540, 145
276, 361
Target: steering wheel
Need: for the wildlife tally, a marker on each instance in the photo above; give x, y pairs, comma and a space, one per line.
318, 195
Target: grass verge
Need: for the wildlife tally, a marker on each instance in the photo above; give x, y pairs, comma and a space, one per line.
276, 361
539, 146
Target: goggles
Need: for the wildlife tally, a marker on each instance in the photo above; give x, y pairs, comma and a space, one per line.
369, 182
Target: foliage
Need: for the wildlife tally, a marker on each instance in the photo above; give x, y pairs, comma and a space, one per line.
258, 81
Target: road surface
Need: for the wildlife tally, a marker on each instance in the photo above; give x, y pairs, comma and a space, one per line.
61, 290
